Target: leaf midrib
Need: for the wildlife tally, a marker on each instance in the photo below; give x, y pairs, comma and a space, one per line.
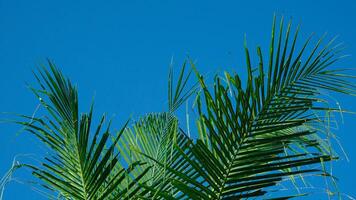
245, 136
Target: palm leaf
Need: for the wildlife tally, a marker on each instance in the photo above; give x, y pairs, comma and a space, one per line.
80, 165
253, 137
154, 135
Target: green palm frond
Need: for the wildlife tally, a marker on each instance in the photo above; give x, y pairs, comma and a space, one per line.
82, 163
253, 136
154, 136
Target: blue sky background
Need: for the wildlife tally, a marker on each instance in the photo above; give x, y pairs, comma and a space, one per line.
119, 51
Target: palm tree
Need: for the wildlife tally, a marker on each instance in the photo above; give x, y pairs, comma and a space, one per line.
252, 137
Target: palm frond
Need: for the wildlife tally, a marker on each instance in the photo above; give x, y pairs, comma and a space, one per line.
154, 136
253, 136
82, 162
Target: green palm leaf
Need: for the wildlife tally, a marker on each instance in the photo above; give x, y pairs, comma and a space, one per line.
80, 165
254, 137
155, 135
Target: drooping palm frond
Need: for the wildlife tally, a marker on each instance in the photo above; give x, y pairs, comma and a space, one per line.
253, 136
154, 135
82, 162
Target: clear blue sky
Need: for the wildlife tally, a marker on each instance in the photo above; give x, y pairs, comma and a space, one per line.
119, 51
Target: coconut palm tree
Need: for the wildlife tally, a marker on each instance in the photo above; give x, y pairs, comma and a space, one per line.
253, 136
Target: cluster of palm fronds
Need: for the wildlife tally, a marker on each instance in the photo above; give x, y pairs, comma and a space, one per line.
251, 136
